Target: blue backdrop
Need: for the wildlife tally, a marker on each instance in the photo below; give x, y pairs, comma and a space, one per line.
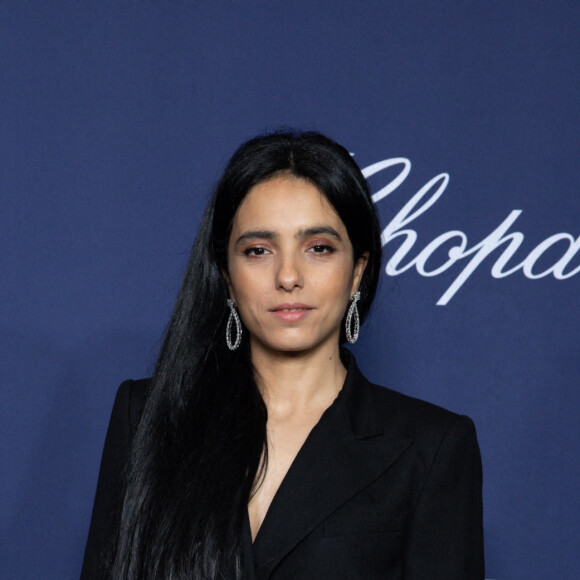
116, 120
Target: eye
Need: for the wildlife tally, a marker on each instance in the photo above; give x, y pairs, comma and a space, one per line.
256, 251
321, 249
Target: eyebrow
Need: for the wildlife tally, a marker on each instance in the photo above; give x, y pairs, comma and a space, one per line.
303, 233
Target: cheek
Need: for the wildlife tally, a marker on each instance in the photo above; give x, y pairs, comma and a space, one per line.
336, 285
246, 285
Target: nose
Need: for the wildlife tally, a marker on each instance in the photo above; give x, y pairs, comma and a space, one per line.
289, 272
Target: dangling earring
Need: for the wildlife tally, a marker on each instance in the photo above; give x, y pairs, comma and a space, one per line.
352, 313
233, 318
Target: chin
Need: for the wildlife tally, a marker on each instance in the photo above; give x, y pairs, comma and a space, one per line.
292, 348
293, 345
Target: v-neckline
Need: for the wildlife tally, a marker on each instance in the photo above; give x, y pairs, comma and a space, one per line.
316, 426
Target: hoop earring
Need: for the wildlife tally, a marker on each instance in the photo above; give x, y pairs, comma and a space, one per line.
233, 318
352, 313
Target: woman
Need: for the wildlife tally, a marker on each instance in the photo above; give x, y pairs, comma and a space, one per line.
258, 449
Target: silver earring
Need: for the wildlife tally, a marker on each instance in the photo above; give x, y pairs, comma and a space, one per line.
233, 318
352, 313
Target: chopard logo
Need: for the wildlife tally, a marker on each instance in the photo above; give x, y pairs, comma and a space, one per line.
428, 261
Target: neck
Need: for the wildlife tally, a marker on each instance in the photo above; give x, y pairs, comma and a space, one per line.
298, 382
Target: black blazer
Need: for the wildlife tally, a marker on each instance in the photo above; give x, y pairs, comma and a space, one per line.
385, 487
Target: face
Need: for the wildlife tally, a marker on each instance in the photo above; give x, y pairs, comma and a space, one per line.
291, 269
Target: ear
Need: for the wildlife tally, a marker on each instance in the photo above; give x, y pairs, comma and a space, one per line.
359, 268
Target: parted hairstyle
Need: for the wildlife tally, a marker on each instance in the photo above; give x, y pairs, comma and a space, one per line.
200, 448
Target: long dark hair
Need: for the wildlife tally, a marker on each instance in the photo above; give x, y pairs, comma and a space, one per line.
198, 447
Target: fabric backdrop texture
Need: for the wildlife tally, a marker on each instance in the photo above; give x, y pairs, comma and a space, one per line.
116, 120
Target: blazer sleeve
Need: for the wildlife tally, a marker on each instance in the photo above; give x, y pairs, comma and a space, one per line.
446, 535
110, 486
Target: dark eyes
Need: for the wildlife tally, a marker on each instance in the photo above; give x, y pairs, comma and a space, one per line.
321, 249
255, 251
316, 249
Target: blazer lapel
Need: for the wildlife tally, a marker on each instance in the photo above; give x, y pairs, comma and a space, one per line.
246, 549
346, 451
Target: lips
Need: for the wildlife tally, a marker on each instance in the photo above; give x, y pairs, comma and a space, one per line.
291, 312
290, 306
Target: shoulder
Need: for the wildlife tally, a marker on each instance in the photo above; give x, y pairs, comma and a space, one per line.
127, 410
129, 403
413, 409
429, 425
125, 416
374, 408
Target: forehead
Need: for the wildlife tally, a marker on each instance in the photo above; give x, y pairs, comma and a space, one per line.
285, 203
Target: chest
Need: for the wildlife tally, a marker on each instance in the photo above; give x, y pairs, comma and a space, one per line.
285, 439
349, 523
